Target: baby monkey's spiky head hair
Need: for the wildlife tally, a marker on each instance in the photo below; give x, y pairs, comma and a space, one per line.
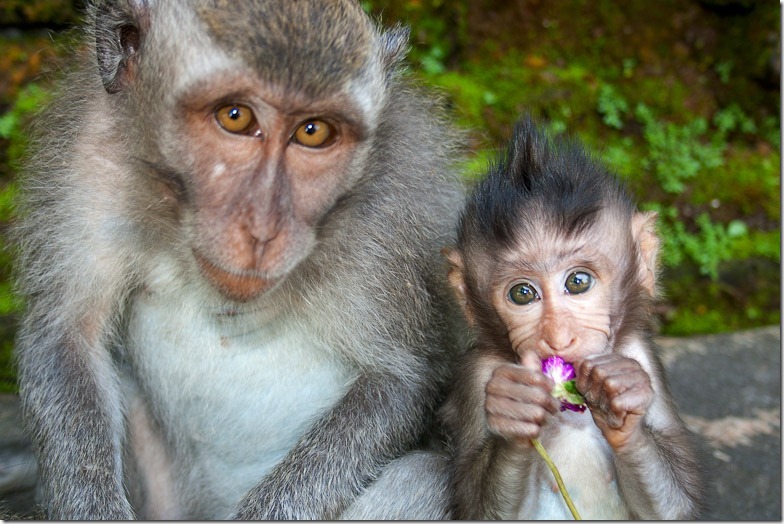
546, 203
540, 181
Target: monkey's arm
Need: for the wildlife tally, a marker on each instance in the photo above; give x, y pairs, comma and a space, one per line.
654, 456
71, 404
490, 471
68, 385
659, 476
73, 271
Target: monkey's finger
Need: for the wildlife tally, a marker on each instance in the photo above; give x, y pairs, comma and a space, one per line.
615, 385
511, 374
592, 391
597, 368
634, 401
513, 429
619, 395
607, 361
595, 381
615, 419
531, 361
536, 409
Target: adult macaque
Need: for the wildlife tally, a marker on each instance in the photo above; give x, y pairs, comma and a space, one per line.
236, 305
553, 259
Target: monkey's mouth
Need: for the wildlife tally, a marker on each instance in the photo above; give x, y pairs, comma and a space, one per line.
240, 288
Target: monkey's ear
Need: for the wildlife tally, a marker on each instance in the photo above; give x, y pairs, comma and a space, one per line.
118, 36
456, 276
644, 235
394, 46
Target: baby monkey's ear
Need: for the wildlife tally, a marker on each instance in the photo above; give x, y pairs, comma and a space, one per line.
644, 235
456, 276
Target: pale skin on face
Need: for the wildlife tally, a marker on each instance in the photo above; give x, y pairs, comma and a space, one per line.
266, 167
561, 304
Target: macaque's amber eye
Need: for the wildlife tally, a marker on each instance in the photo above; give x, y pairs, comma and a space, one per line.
578, 282
235, 118
314, 133
523, 294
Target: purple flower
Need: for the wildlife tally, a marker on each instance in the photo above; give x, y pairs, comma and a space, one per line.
558, 369
565, 390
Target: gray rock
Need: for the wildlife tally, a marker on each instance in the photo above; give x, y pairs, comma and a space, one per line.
18, 471
728, 389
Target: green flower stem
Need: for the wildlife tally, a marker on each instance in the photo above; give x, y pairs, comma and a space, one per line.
558, 479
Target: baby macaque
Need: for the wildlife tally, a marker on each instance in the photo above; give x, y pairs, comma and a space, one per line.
553, 259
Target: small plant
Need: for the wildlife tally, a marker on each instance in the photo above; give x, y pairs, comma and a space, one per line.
612, 106
677, 153
732, 118
723, 69
711, 244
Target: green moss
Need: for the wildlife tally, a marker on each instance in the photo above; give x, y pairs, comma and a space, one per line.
757, 244
477, 164
747, 184
12, 123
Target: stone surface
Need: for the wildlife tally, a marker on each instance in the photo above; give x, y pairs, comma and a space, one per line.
17, 464
728, 388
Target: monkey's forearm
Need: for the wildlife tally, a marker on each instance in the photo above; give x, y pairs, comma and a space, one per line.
488, 475
659, 476
76, 421
69, 387
490, 482
376, 421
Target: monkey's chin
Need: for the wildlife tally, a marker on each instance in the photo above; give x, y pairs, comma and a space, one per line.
240, 288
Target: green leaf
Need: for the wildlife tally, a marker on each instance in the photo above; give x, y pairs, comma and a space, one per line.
572, 395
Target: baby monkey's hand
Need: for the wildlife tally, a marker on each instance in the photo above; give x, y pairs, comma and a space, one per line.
518, 402
618, 392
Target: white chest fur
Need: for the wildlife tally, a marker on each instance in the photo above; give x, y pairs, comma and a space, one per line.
584, 460
233, 390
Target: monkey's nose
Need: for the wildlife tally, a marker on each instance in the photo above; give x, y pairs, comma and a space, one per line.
559, 342
250, 246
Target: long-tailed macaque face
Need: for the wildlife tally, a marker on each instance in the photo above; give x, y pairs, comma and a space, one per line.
560, 293
257, 152
267, 174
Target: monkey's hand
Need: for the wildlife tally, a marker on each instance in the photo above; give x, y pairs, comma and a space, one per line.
518, 402
618, 392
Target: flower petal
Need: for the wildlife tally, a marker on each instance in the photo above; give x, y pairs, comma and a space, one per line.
565, 389
558, 369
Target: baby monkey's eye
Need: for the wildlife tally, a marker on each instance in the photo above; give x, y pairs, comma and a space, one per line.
523, 294
235, 118
314, 133
578, 282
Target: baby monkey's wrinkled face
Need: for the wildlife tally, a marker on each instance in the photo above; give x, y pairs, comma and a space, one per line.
555, 292
557, 286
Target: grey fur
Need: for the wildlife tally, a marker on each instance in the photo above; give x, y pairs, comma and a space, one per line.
370, 289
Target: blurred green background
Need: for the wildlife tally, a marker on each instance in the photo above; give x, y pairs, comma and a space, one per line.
680, 97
